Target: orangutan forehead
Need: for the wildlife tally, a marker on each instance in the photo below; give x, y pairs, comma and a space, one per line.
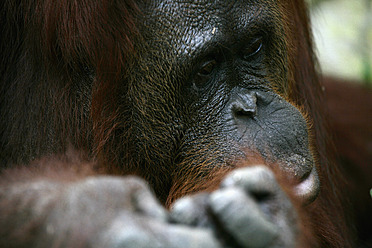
190, 24
201, 9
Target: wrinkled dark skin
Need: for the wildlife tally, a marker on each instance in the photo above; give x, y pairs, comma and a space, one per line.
224, 65
207, 89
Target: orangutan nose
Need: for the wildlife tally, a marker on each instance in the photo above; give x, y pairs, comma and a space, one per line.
245, 104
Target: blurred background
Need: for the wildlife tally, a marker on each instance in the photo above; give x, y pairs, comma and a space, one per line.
343, 36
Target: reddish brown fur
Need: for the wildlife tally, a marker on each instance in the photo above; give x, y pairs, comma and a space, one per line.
53, 39
350, 118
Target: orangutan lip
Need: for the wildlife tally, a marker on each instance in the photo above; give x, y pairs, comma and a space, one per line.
308, 189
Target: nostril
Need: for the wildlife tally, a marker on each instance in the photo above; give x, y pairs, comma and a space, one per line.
240, 110
245, 105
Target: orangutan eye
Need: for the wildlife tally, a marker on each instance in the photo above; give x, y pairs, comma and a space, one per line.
204, 74
207, 68
253, 49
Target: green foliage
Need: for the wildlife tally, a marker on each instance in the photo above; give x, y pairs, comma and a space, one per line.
367, 73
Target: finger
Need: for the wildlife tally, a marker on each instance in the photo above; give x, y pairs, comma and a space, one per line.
146, 203
252, 179
191, 211
241, 217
